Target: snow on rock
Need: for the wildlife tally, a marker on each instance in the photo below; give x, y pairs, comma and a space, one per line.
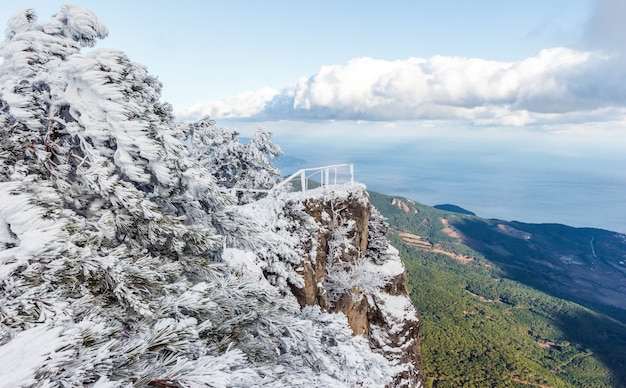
394, 329
138, 250
348, 266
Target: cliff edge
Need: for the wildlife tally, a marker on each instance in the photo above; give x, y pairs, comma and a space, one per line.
348, 266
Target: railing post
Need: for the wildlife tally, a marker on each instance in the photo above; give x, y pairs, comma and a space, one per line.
324, 176
327, 176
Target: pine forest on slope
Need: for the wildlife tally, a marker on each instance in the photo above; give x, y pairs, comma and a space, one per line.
512, 304
113, 222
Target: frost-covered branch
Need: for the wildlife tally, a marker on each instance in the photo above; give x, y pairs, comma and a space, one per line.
113, 222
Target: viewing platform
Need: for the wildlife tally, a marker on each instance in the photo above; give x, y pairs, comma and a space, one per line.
312, 178
307, 179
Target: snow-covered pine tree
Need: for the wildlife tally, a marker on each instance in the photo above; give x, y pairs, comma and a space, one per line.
377, 243
112, 271
243, 168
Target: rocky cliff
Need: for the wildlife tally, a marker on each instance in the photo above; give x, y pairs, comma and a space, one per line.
126, 259
349, 266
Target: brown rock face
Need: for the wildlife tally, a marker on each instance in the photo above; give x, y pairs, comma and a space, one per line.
384, 314
329, 214
397, 333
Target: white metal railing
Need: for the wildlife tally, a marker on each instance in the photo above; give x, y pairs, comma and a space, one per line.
328, 175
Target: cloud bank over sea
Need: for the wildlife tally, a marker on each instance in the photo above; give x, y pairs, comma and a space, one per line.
581, 84
557, 85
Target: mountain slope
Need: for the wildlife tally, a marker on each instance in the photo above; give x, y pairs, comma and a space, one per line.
498, 303
127, 254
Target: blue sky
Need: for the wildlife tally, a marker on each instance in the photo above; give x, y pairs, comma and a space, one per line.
546, 78
210, 50
554, 64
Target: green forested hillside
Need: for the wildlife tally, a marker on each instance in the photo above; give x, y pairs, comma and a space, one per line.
508, 304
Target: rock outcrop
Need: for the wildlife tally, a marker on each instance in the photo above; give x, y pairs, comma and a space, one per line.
350, 267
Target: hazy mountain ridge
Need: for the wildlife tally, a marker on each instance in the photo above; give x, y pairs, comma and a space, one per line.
131, 254
518, 291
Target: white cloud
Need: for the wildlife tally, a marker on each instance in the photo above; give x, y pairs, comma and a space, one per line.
556, 84
243, 105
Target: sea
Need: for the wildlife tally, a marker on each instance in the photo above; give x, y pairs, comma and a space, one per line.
513, 174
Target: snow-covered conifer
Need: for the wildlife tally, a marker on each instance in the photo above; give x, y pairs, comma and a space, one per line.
244, 168
112, 268
377, 243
